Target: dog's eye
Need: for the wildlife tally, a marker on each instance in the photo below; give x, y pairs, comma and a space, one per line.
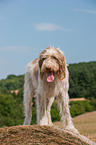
43, 59
54, 57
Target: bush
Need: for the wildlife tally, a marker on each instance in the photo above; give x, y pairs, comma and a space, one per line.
34, 118
11, 113
93, 103
80, 107
55, 112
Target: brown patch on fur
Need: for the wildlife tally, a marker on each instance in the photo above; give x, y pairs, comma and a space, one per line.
43, 52
41, 75
50, 47
35, 60
61, 59
35, 71
40, 62
41, 59
62, 70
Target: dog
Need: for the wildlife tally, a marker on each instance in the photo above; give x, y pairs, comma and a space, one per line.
47, 78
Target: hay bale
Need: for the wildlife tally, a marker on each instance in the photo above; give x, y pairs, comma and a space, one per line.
38, 135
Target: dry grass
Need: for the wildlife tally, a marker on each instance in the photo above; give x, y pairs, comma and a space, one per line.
77, 99
37, 135
86, 124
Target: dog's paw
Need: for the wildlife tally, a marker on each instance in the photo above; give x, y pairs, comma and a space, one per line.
72, 129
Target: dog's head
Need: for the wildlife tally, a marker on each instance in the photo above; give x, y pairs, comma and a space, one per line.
52, 64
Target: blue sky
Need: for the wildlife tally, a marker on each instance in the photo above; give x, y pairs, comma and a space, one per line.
29, 26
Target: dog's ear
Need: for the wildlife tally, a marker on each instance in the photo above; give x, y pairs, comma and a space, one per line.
41, 58
62, 69
40, 65
40, 62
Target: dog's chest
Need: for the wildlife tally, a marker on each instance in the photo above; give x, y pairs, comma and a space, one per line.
48, 89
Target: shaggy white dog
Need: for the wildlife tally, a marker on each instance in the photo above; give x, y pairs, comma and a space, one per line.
45, 79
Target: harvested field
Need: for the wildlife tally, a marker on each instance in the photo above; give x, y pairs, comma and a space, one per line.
77, 99
85, 123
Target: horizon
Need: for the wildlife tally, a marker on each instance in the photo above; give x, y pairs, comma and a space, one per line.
28, 27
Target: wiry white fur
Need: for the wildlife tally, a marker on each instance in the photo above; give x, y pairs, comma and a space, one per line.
45, 94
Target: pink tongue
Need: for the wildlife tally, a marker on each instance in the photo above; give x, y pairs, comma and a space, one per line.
50, 78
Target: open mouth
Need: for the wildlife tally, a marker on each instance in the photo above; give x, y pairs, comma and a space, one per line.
50, 77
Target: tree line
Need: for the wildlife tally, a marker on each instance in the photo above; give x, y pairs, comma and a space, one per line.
82, 81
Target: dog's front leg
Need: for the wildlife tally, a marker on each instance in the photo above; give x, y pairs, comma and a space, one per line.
43, 110
41, 104
49, 104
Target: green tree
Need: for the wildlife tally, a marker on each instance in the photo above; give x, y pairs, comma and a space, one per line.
11, 113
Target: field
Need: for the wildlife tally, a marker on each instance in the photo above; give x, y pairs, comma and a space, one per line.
85, 123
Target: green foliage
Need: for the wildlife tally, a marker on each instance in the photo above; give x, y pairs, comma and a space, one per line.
82, 80
80, 107
11, 83
93, 103
55, 112
34, 118
11, 113
3, 89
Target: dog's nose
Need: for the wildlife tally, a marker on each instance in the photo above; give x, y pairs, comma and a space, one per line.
48, 68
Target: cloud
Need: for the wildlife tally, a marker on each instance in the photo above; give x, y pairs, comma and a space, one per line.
48, 27
86, 11
14, 48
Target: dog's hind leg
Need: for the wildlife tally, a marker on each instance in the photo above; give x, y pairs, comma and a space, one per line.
28, 94
63, 101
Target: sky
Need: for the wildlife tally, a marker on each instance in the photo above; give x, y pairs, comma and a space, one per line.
27, 27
